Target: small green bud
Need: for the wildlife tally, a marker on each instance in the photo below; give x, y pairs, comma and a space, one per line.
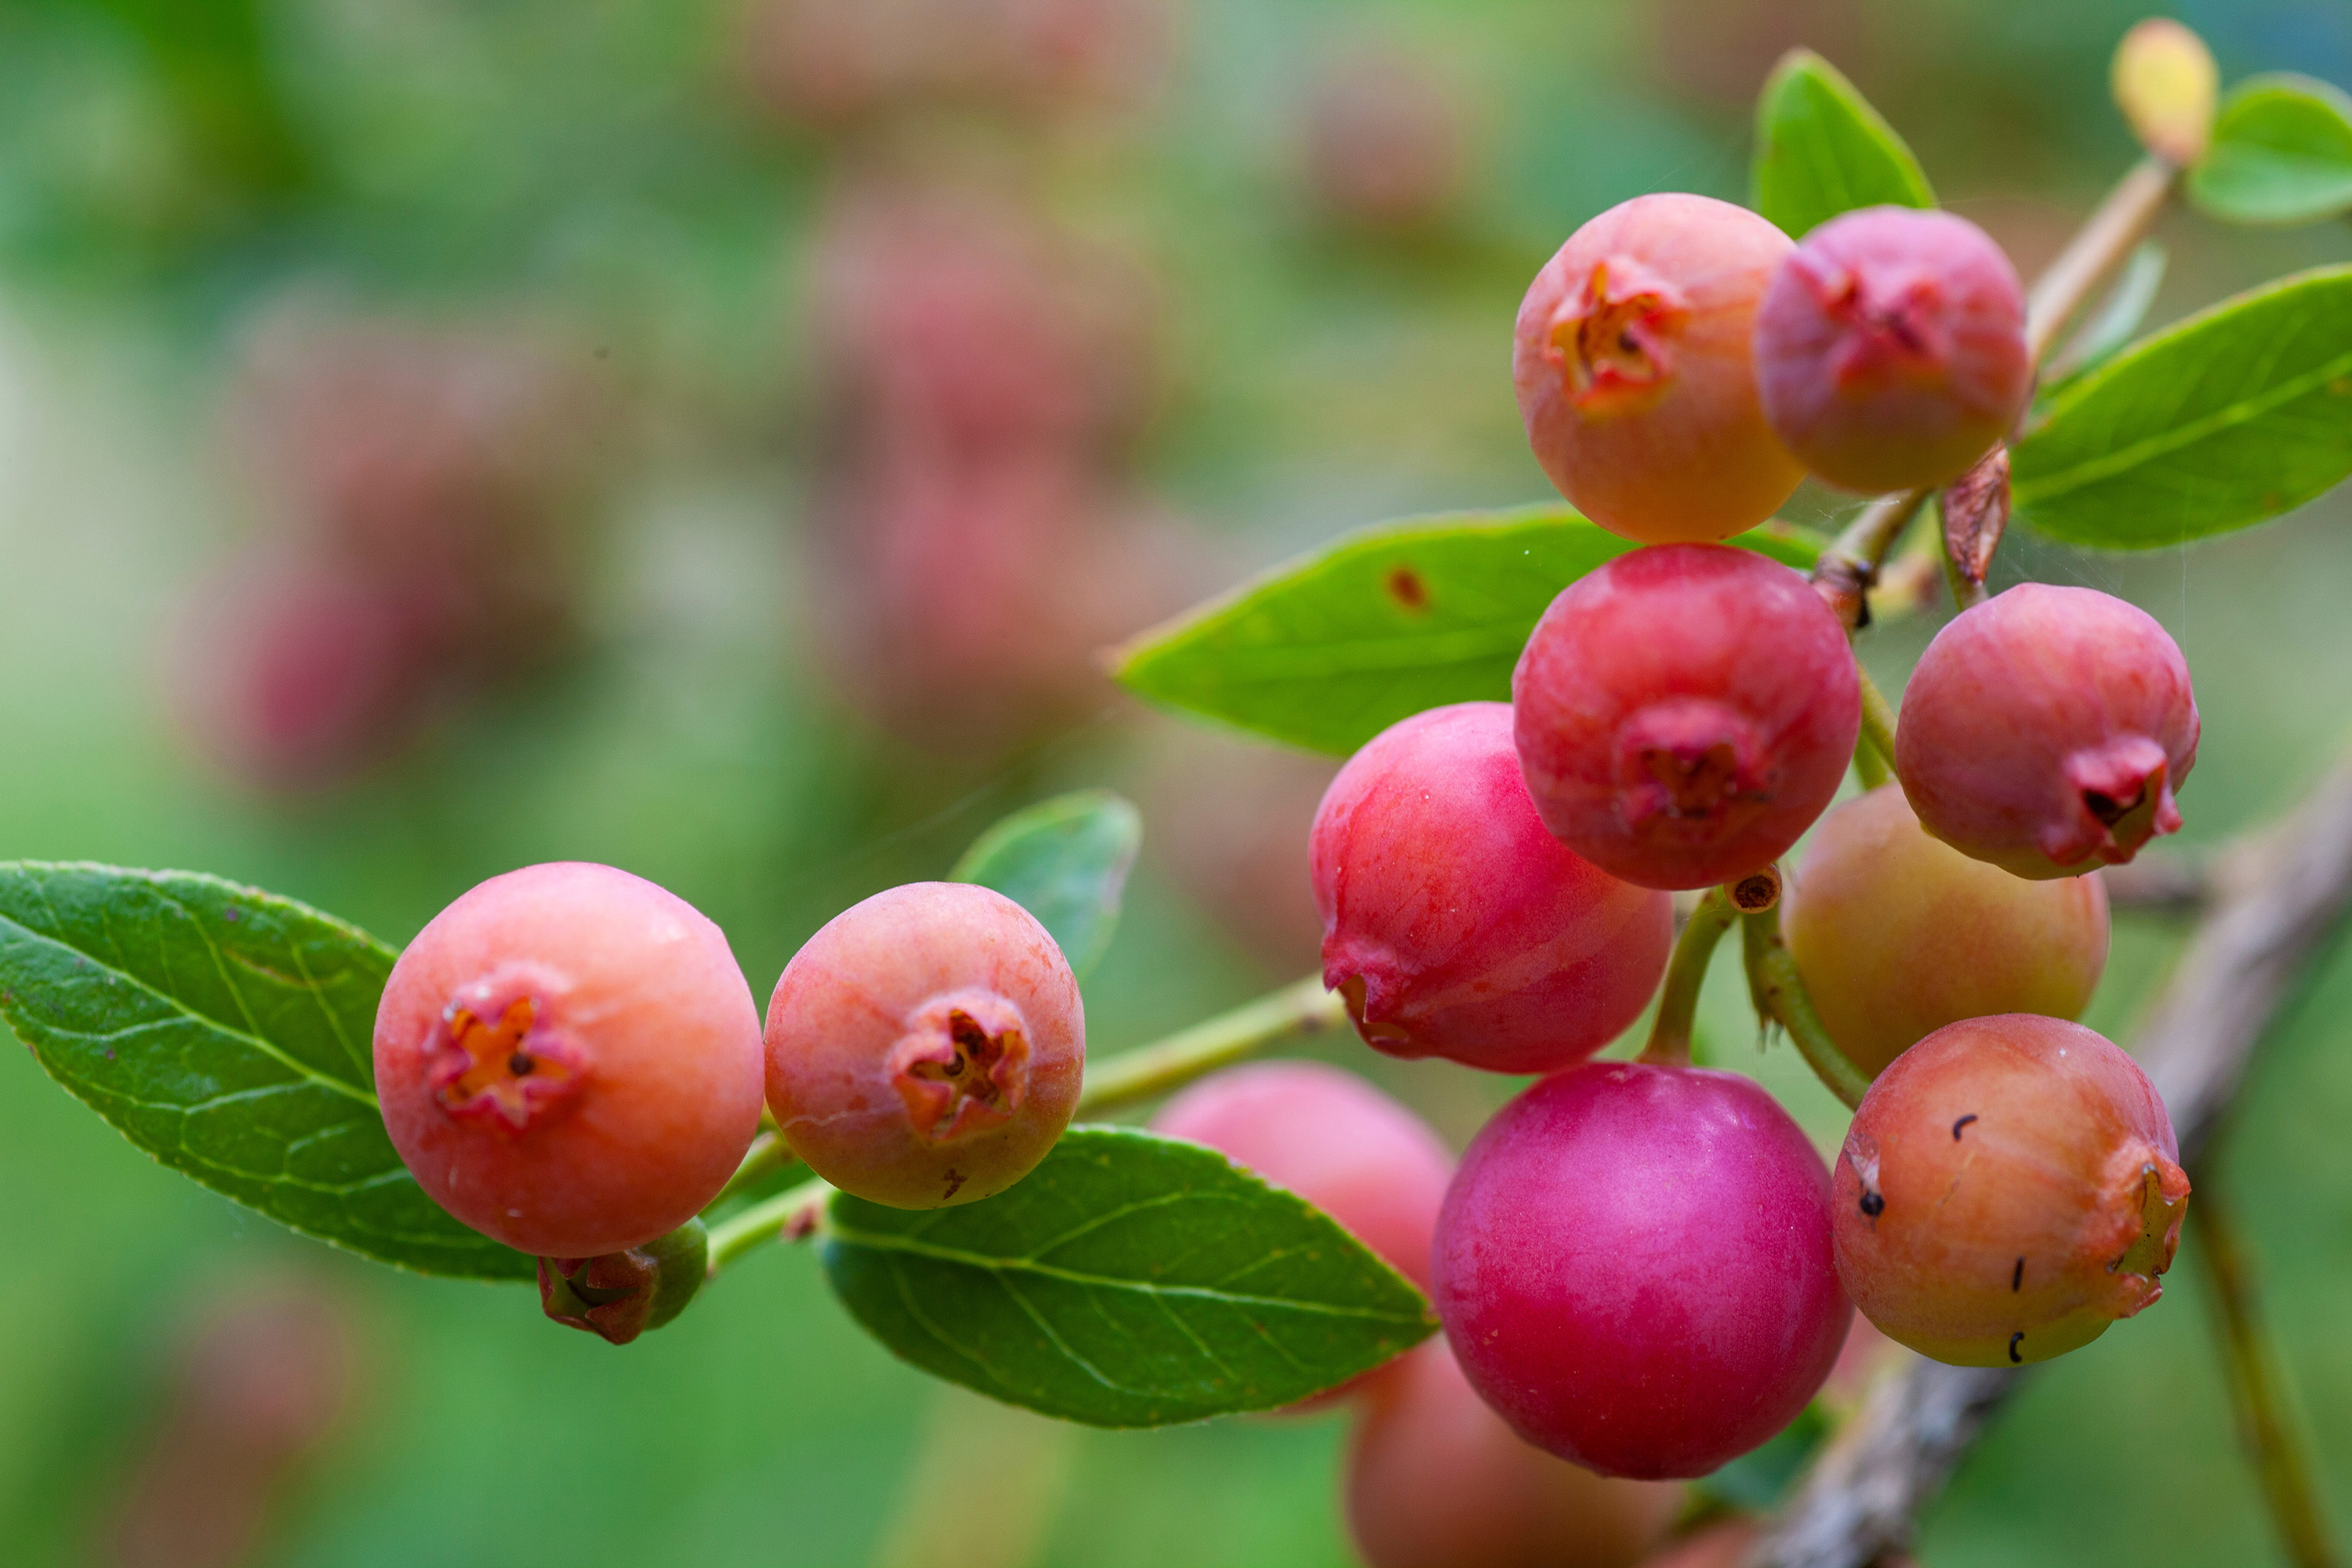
623, 1294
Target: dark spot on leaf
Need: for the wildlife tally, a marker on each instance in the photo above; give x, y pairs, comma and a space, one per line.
232, 915
1963, 1122
1407, 589
2017, 1275
2012, 1347
1873, 1204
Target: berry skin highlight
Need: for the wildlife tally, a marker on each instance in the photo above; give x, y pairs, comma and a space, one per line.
1454, 924
568, 1060
924, 1048
1633, 359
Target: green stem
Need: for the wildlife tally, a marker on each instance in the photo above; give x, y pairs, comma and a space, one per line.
2250, 1364
1147, 1071
1877, 738
1143, 1073
1773, 979
1670, 1034
2098, 247
767, 1155
794, 1214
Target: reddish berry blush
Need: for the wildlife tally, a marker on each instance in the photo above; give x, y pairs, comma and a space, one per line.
1454, 924
2046, 730
2008, 1187
1332, 1138
567, 1059
1632, 362
1891, 348
1435, 1479
1633, 1265
1685, 713
1897, 934
925, 1047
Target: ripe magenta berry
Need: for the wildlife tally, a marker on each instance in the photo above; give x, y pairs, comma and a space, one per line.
1454, 924
1633, 1265
569, 1059
1685, 713
2046, 730
1435, 1479
1633, 363
1897, 935
925, 1047
1891, 348
1335, 1141
2008, 1187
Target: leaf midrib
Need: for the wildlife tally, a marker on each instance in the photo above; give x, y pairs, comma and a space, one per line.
173, 1004
883, 1242
2165, 443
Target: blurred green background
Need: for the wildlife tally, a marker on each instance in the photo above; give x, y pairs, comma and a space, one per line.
733, 692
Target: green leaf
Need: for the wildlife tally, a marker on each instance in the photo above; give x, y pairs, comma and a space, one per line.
1130, 1280
2237, 413
1065, 860
1822, 149
2282, 153
229, 1034
1759, 1480
1329, 650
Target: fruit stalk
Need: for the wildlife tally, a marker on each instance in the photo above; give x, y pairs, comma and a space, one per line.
2251, 1366
1877, 731
1717, 912
1892, 1458
1773, 981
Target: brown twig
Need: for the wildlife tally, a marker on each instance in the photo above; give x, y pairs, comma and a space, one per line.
1870, 1484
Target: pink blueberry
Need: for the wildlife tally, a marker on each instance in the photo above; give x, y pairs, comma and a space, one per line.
1632, 361
567, 1059
1891, 348
2046, 731
1454, 924
925, 1047
1685, 713
1633, 1265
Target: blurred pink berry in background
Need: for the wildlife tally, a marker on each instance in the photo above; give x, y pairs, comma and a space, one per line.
422, 492
263, 1379
1385, 139
830, 64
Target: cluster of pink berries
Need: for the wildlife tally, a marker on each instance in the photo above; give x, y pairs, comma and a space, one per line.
1645, 1267
422, 487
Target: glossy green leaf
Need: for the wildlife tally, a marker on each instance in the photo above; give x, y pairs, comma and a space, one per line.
1130, 1280
227, 1033
1065, 860
1821, 149
1329, 650
2282, 153
2237, 413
